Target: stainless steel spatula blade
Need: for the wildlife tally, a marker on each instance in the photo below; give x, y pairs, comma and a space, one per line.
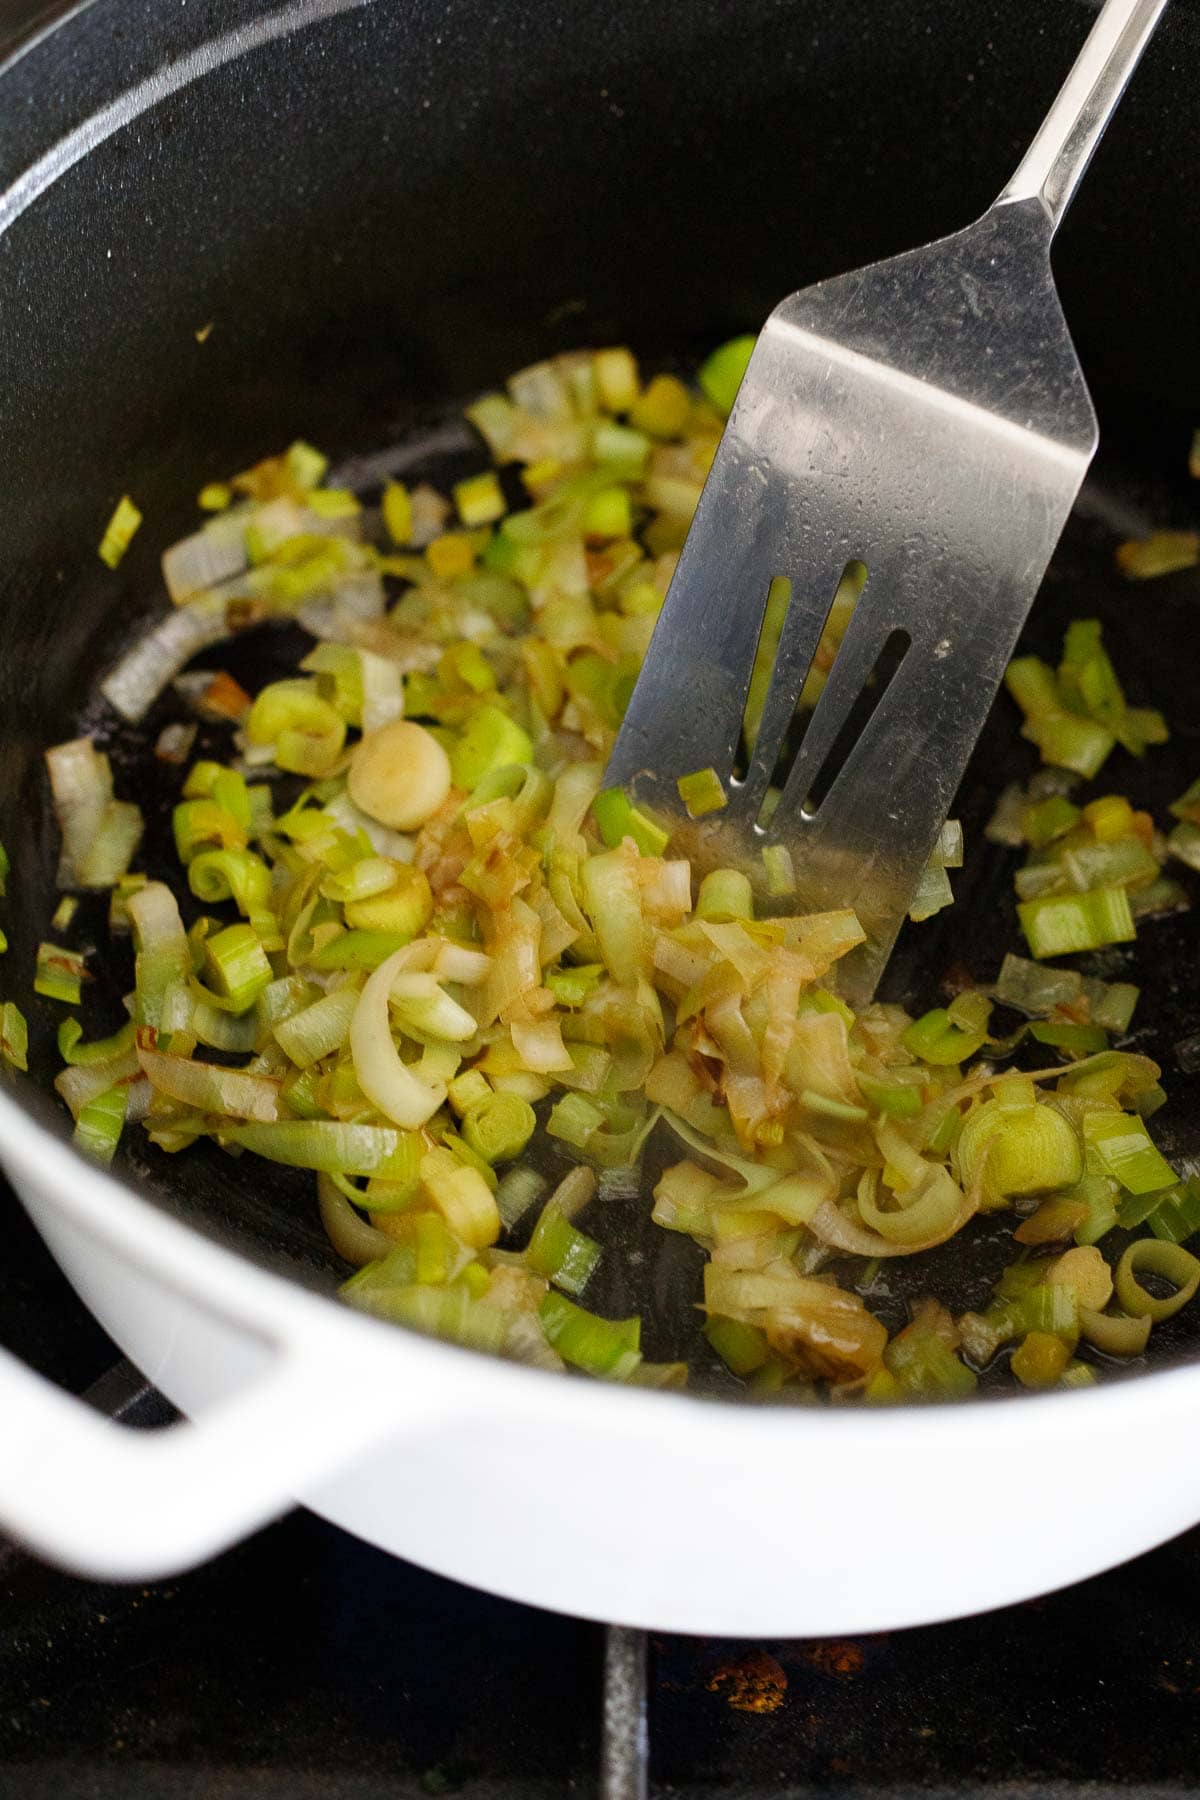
926, 417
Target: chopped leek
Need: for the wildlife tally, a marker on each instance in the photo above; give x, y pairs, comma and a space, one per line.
720, 375
608, 1347
701, 793
1059, 925
14, 1037
453, 923
561, 1253
60, 974
100, 1123
119, 532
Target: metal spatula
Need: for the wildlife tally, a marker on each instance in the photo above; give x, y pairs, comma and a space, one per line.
926, 417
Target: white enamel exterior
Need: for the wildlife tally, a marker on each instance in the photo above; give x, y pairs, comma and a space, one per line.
647, 1509
650, 1509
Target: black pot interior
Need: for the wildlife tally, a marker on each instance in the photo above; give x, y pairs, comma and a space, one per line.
380, 210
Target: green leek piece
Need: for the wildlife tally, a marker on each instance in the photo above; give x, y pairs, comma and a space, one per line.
1061, 924
1111, 1003
662, 407
1077, 1375
1162, 553
1184, 843
480, 499
403, 909
357, 950
64, 913
1048, 819
742, 1348
608, 514
495, 418
935, 1038
1068, 742
236, 961
1033, 686
490, 741
333, 1147
702, 792
560, 1252
1086, 677
725, 895
1082, 1040
620, 450
571, 985
574, 1120
339, 669
931, 895
897, 1099
451, 1311
397, 513
825, 1108
14, 1037
304, 730
1172, 1214
60, 973
1031, 988
305, 466
602, 685
1162, 896
1177, 1216
609, 1347
1152, 1256
1187, 806
720, 375
317, 1030
204, 825
780, 870
238, 875
77, 1054
213, 781
498, 1127
617, 818
518, 1189
1115, 1075
467, 1090
926, 1368
1018, 1151
1121, 1145
947, 853
3, 942
300, 1090
971, 1011
119, 532
334, 503
1040, 1360
438, 1252
615, 373
1048, 1307
1125, 862
100, 1123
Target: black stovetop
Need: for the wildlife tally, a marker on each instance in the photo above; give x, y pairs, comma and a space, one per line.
305, 1664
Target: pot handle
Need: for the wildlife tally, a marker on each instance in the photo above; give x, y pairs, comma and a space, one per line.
119, 1504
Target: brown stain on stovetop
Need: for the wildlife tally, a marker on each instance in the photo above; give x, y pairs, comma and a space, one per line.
752, 1683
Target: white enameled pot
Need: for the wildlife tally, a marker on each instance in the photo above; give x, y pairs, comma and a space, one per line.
652, 1509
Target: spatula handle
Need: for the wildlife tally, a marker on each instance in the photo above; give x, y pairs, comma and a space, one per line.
1051, 168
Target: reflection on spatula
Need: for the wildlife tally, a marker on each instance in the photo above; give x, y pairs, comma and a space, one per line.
927, 419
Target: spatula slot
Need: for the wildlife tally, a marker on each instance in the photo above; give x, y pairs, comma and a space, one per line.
770, 633
883, 671
797, 646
